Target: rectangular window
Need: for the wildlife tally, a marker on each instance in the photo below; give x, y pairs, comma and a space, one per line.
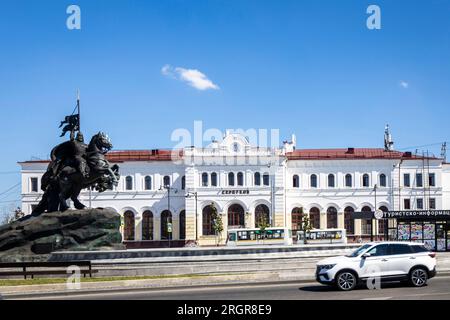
419, 180
432, 203
420, 203
34, 184
432, 180
406, 180
406, 204
266, 179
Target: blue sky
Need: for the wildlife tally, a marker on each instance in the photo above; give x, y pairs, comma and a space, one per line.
306, 67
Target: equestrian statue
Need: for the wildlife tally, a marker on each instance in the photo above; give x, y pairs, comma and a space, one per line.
75, 165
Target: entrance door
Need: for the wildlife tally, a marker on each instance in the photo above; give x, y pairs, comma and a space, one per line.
440, 237
236, 217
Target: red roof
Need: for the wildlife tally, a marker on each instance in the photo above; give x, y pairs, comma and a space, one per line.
350, 153
144, 155
135, 155
301, 154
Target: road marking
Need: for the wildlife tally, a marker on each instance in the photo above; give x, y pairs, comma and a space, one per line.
426, 294
377, 298
169, 290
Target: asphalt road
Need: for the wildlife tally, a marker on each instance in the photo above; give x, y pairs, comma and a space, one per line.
437, 288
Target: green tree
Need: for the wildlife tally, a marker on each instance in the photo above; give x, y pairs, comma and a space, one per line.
8, 214
262, 224
305, 227
217, 223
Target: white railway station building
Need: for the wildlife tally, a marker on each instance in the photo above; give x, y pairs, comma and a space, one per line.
246, 182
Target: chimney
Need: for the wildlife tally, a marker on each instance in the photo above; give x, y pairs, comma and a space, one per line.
350, 150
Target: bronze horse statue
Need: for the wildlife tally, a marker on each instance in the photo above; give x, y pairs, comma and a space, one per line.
75, 166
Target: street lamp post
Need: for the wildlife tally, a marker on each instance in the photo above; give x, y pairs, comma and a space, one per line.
375, 209
271, 182
188, 195
168, 188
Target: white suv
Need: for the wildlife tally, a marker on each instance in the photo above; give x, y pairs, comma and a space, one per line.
386, 261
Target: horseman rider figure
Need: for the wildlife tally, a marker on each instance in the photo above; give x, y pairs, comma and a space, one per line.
74, 166
74, 150
80, 154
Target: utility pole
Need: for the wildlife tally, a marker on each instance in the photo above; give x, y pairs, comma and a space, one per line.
375, 209
444, 151
169, 230
424, 182
271, 182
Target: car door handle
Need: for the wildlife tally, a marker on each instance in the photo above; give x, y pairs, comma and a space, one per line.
412, 257
384, 260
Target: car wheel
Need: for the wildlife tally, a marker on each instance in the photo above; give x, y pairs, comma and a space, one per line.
418, 277
346, 280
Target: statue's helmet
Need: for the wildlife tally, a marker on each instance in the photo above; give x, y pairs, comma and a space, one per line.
80, 137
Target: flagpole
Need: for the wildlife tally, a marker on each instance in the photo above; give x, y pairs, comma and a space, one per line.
78, 106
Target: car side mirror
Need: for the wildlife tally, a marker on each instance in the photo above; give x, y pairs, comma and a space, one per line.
365, 255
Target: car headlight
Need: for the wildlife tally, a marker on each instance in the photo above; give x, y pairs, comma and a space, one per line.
326, 267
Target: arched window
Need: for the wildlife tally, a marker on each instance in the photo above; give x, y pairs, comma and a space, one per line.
365, 180
313, 179
183, 225
128, 232
183, 182
240, 179
236, 216
383, 181
166, 181
147, 225
266, 179
366, 224
148, 183
129, 183
207, 221
349, 222
231, 179
295, 181
166, 218
257, 179
297, 218
314, 217
331, 182
214, 179
348, 180
204, 179
262, 215
331, 218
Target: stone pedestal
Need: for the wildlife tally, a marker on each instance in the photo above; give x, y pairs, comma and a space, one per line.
32, 238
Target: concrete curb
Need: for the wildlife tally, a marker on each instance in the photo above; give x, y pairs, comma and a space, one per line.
183, 254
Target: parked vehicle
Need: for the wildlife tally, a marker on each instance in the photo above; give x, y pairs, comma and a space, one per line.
390, 261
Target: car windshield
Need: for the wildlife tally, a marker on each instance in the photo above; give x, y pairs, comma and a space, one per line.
358, 251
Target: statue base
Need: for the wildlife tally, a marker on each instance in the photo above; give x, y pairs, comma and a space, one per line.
34, 238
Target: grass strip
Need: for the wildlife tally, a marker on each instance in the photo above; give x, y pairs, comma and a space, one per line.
40, 281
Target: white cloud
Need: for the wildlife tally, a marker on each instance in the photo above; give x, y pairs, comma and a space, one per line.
404, 84
193, 77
